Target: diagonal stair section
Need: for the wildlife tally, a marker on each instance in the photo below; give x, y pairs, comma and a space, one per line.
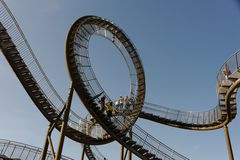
19, 55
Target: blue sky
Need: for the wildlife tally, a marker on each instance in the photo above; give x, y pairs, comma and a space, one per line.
182, 45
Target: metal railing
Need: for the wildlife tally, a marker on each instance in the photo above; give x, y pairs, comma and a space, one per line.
154, 146
121, 121
228, 69
186, 117
16, 150
230, 66
23, 47
84, 64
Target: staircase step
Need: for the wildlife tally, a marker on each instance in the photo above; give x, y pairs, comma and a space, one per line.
131, 142
108, 122
234, 107
7, 44
112, 127
155, 158
222, 90
226, 83
116, 131
34, 88
12, 52
234, 112
150, 155
120, 134
4, 36
125, 139
24, 71
17, 58
54, 116
234, 75
224, 113
20, 64
2, 28
223, 98
222, 103
137, 147
142, 151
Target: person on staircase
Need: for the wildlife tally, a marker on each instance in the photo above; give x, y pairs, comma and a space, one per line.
120, 102
226, 72
102, 103
109, 106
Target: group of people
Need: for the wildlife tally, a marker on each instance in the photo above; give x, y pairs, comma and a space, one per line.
120, 105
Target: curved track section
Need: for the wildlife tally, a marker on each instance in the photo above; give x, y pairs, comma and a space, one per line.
225, 111
86, 85
221, 115
79, 64
10, 150
20, 56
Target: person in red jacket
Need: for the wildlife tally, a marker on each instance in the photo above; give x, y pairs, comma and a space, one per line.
102, 103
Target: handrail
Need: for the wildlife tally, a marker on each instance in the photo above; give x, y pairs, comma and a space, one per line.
186, 117
13, 149
207, 120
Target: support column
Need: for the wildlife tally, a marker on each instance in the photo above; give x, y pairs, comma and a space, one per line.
64, 123
122, 153
83, 153
129, 152
228, 142
46, 144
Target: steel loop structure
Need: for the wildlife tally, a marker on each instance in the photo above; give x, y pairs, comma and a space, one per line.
87, 86
81, 71
120, 127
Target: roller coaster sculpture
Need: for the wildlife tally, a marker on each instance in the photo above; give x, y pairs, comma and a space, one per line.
121, 127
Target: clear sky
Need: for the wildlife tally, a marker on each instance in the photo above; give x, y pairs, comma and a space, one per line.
182, 45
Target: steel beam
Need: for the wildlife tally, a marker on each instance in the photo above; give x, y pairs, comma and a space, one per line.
228, 142
64, 123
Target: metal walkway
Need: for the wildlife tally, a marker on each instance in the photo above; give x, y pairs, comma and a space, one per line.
20, 56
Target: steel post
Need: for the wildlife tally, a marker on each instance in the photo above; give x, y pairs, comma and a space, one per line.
46, 144
129, 152
83, 153
64, 123
228, 142
122, 153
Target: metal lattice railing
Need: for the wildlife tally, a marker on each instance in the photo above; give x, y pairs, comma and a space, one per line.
81, 55
16, 150
185, 117
81, 64
229, 68
231, 65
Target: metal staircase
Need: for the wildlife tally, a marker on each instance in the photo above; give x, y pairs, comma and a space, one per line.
19, 55
87, 86
33, 89
212, 119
